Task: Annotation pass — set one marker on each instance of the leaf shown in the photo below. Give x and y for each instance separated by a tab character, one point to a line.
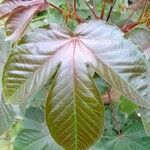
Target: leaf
145	115
7	6
4	54
129	140
34	113
141	36
7	117
101	84
74	102
133	136
20	14
34	135
127	105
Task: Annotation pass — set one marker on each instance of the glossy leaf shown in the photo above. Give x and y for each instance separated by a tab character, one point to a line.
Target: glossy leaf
74	109
141	36
19	13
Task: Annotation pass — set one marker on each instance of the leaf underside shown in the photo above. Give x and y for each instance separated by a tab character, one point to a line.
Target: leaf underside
74	109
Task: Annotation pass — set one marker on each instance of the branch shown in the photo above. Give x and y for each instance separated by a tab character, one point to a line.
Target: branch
103	10
75	6
111	9
73	16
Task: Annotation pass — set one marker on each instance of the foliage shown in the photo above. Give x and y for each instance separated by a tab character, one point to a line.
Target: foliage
58	77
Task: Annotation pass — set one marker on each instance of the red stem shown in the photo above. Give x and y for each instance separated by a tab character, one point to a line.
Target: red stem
75	6
103	10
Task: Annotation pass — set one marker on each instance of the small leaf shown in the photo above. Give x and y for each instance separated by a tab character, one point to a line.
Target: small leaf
127	105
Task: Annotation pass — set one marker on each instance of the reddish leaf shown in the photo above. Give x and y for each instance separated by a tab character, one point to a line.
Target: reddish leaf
20	14
74	108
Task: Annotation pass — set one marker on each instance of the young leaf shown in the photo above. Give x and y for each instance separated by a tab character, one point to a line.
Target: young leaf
19	13
74	103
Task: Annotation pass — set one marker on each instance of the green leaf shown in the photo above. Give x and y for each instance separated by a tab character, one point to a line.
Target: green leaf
127	105
141	36
101	84
7	116
145	115
34	135
4	54
132	137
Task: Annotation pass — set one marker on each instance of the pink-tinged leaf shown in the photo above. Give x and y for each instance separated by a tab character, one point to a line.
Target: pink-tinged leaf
74	108
8	6
19	13
18	21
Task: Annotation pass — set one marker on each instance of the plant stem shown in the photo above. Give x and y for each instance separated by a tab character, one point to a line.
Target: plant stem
103	10
57	8
115	122
75	6
111	9
74	16
93	12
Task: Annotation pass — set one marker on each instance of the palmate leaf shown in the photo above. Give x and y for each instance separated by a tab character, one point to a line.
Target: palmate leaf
74	109
20	14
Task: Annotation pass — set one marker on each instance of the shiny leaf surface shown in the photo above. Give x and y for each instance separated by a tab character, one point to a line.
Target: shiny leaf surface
74	109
